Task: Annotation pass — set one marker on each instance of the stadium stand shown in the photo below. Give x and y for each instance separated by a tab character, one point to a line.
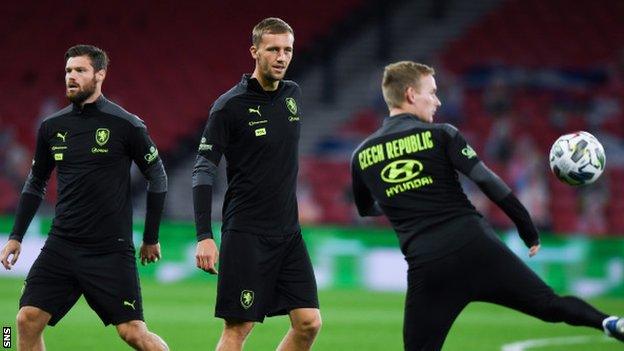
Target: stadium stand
523	80
510	74
168	61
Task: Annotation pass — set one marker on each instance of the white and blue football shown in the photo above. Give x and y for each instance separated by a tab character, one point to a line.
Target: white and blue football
577	158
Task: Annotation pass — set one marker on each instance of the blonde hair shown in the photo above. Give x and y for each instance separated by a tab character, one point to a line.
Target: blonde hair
270	25
399	76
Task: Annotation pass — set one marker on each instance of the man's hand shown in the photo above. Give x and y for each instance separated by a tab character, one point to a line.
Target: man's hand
12	247
534	250
207	256
149	253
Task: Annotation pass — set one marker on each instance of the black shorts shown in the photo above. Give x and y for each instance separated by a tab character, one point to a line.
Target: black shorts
263	276
63	272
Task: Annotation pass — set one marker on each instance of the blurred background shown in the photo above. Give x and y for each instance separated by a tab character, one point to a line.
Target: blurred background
513	75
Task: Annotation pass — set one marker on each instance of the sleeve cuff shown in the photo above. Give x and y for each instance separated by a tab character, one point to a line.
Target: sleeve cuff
15	237
150	241
204	236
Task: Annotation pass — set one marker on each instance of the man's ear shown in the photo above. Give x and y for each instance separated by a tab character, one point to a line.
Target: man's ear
254	52
100	75
410	95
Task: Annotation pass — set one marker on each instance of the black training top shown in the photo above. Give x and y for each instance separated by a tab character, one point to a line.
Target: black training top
408	168
92	149
258	133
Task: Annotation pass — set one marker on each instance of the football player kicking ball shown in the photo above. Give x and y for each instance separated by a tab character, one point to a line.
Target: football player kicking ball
407	171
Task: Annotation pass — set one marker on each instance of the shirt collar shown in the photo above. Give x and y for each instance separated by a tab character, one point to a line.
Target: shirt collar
400	117
93	106
253	84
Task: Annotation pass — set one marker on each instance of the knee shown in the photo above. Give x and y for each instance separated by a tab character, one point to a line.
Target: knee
308	326
25	319
132	332
31	319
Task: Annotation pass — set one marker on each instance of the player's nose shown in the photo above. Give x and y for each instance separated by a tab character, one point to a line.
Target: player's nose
281	56
71	75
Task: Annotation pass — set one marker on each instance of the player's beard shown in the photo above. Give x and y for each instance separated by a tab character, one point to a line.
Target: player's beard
269	76
83	93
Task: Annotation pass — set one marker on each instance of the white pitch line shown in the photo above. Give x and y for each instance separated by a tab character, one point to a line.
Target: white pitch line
565	340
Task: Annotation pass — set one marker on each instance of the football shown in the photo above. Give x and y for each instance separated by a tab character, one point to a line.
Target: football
577	158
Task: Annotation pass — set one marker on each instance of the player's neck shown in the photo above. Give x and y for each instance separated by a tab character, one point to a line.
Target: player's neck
396	111
267	85
93	98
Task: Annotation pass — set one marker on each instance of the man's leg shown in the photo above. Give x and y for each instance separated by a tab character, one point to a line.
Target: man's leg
427	322
30	324
49	293
437	292
241	296
135	333
305	324
505	280
296	294
234	335
115	295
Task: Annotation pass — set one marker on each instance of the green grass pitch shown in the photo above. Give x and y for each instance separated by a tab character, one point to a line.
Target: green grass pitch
356	320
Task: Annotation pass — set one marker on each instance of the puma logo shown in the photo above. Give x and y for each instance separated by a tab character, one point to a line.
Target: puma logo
126	303
255	110
61	136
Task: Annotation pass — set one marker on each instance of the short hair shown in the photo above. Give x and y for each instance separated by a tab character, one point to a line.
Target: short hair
99	58
271	25
399	76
